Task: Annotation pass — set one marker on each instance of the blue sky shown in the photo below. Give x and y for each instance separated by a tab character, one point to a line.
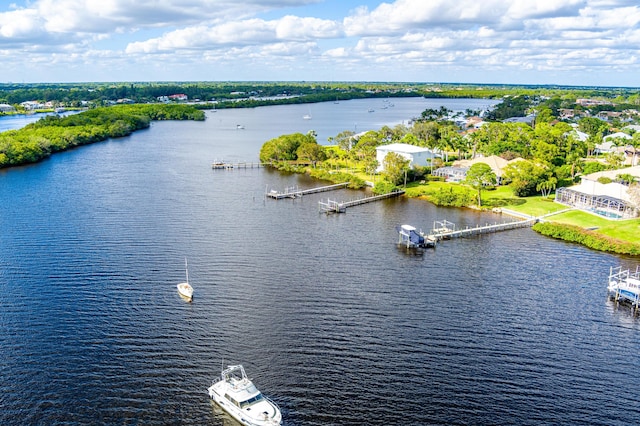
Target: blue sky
568	42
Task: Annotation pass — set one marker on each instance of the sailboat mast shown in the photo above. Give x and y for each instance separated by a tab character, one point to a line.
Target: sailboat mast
186	269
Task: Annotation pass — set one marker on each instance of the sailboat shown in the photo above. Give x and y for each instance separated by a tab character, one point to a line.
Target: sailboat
185	288
307	116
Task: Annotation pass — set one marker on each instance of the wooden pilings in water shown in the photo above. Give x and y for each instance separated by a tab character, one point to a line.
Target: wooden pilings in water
624	286
336	207
294	192
221	165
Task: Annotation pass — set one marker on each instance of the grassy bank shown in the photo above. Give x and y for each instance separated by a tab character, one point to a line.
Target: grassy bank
620	236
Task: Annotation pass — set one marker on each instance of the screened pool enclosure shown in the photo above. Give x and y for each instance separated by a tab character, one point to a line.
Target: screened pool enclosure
603	205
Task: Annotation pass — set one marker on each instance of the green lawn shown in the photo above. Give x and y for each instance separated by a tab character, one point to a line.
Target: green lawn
626	230
502	197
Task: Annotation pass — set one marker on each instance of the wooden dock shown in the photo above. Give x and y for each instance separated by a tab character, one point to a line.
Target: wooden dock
336	207
294	192
444	230
221	165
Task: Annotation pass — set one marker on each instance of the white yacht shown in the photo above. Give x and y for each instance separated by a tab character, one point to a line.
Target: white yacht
239	397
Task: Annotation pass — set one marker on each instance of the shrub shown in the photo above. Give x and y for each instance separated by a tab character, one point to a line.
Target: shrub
384	187
604	180
448	197
586	237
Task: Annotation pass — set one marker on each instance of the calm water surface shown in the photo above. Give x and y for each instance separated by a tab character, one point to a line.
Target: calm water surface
328	316
11	122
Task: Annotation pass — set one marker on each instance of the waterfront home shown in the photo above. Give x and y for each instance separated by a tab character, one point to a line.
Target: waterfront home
178	97
457	172
32	105
611	200
417	155
6	108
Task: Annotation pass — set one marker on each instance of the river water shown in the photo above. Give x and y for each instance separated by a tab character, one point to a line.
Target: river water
329	317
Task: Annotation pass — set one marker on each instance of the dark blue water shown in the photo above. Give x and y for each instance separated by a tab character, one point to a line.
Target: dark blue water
10	122
328	316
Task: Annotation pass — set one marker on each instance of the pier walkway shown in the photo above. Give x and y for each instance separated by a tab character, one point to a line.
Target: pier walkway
222	165
336	207
294	192
444	230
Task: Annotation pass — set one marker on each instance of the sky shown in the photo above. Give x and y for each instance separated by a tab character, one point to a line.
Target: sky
565	42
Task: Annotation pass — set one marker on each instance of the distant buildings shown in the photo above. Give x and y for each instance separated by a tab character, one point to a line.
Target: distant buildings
32	105
6	108
179	97
592	102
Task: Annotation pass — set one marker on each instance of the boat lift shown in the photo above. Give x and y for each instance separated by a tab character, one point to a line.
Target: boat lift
624	286
410	237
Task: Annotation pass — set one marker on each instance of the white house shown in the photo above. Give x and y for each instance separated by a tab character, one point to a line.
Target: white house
31	105
617	135
605	147
458	171
6	108
581	136
418	156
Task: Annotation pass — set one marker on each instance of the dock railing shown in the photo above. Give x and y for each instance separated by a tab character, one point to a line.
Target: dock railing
446	230
295	192
624	286
340	207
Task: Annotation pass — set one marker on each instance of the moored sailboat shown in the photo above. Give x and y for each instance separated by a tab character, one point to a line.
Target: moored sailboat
185	288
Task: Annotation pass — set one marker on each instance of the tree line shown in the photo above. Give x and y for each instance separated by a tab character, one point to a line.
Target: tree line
550	152
54	133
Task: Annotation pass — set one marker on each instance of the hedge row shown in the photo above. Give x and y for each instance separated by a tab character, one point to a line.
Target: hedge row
586	237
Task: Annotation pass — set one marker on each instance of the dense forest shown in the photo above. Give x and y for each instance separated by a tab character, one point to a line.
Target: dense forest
247	94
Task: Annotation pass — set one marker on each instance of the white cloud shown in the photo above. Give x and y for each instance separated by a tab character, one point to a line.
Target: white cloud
505	35
248	32
295	28
19	25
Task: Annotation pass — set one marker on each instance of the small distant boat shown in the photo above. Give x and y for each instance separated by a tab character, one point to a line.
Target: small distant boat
239	397
307	116
185	288
371	110
239	127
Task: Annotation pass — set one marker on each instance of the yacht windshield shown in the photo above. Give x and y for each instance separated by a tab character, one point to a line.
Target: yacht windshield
251	401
